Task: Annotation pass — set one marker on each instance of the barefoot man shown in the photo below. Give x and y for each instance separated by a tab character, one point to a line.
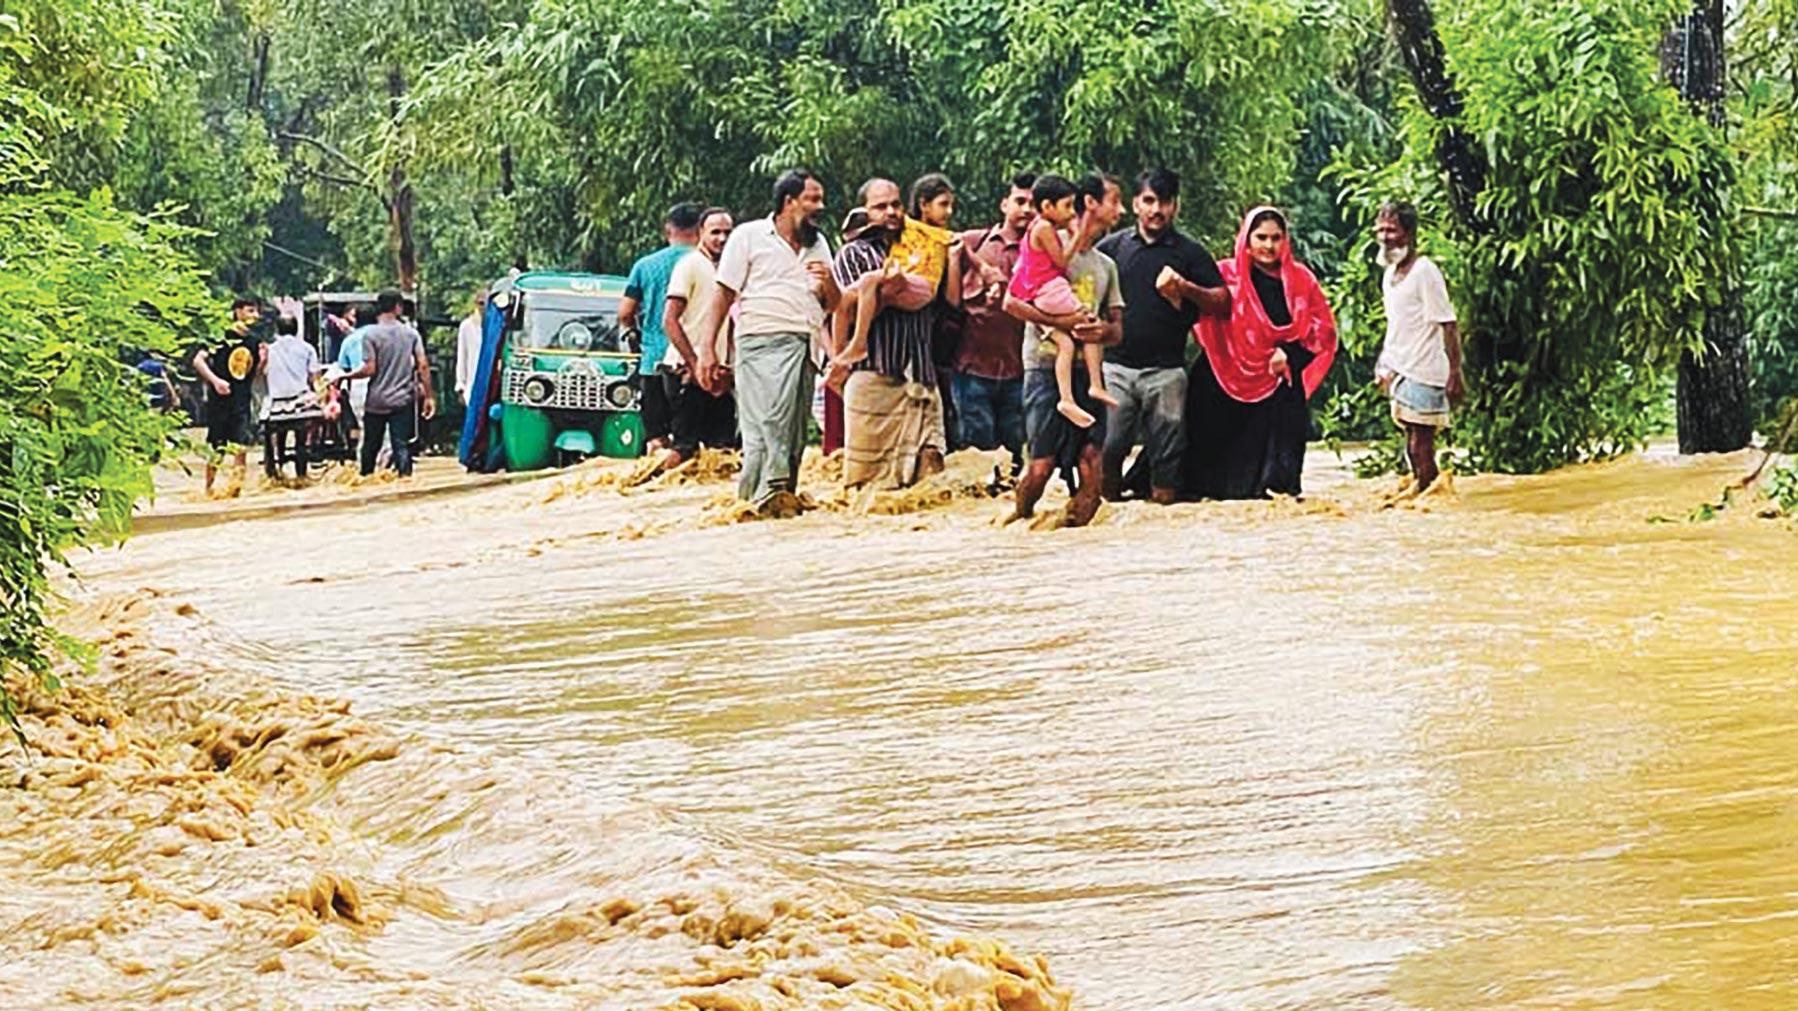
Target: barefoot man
892	406
1420	364
1055	442
778	270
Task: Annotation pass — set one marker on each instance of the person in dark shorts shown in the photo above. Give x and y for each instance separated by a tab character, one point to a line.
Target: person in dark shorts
698	416
228	369
1054	441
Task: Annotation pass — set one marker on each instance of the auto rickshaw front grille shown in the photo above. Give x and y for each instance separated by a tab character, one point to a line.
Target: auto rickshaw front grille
571	390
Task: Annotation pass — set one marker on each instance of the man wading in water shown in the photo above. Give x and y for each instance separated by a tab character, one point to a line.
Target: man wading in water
778	269
229	367
1420	364
1055	441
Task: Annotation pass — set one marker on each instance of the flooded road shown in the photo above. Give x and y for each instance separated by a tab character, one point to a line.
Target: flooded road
1521	749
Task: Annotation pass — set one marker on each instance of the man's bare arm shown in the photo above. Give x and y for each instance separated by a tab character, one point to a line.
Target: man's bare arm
628	308
1017	308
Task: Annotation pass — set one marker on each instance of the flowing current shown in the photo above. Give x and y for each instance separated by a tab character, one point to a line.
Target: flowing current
1525	747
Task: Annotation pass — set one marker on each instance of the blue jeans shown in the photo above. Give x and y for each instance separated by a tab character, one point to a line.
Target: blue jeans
399	426
989	413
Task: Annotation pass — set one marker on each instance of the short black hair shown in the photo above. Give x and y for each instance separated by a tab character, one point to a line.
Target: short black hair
388	301
706	215
1048	189
789	185
1401	212
243	302
928	187
287	325
685	216
1023	181
1163	182
1090	189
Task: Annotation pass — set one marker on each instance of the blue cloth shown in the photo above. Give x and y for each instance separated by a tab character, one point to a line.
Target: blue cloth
349	355
155	374
989	413
480	448
648	284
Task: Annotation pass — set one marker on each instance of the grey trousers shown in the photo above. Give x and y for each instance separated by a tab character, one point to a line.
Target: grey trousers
1152	405
774	398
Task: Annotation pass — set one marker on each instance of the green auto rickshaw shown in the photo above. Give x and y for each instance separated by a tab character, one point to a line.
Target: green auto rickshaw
566	374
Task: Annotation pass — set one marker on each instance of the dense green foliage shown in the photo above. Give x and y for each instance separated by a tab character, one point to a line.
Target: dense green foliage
82	285
1597	249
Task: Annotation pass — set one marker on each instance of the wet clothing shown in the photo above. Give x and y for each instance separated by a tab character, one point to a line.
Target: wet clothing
1238	450
395	348
923	251
774	377
989	413
1246	428
1415	403
991	338
887	423
695	417
229	421
1051	435
899	342
1156	332
648	284
399	426
1152	407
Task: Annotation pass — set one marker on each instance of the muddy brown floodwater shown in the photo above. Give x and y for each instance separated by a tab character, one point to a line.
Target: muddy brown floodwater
564	745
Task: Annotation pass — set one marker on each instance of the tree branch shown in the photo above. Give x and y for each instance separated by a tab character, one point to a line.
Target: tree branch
327	148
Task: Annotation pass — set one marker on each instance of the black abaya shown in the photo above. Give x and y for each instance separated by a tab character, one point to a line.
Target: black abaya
1237	450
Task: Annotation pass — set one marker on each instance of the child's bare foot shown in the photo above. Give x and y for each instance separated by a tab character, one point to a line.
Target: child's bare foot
1073	413
837	377
851	354
1098	393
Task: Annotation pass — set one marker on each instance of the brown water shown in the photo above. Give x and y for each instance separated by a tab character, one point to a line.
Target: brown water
1520	749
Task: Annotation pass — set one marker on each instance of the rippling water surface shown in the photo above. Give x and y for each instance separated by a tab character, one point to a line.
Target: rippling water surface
1524	750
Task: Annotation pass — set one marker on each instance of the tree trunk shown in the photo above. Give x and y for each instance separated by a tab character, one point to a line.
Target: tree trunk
1414	29
399	199
1714	415
258	74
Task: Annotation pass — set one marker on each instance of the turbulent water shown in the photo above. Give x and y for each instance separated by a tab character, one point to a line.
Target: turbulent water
1523	747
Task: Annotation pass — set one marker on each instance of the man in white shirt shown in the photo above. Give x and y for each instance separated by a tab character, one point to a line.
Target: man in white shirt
1420	363
468	345
776	270
697	415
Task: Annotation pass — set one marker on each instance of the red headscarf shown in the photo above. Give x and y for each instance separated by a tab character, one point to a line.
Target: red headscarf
1240	345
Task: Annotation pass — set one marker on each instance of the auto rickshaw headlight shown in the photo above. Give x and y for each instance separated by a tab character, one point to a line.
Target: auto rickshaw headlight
619	395
538	390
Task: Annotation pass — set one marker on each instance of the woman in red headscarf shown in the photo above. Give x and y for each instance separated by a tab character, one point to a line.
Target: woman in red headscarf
1246	414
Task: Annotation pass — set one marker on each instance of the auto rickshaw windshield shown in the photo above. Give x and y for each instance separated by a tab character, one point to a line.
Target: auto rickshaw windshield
573	323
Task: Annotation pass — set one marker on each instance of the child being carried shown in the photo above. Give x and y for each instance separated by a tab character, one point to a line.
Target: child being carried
924	249
1041	279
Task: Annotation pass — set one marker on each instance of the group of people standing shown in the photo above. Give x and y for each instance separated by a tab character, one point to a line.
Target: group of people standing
991	335
377	385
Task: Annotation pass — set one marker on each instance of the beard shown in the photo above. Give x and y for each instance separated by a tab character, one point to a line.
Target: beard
808	230
1392	256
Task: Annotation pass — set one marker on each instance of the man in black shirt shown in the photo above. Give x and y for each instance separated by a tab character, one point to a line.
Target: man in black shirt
1167	279
229	367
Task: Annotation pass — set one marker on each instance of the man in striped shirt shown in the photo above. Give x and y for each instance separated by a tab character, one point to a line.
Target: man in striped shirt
893	412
